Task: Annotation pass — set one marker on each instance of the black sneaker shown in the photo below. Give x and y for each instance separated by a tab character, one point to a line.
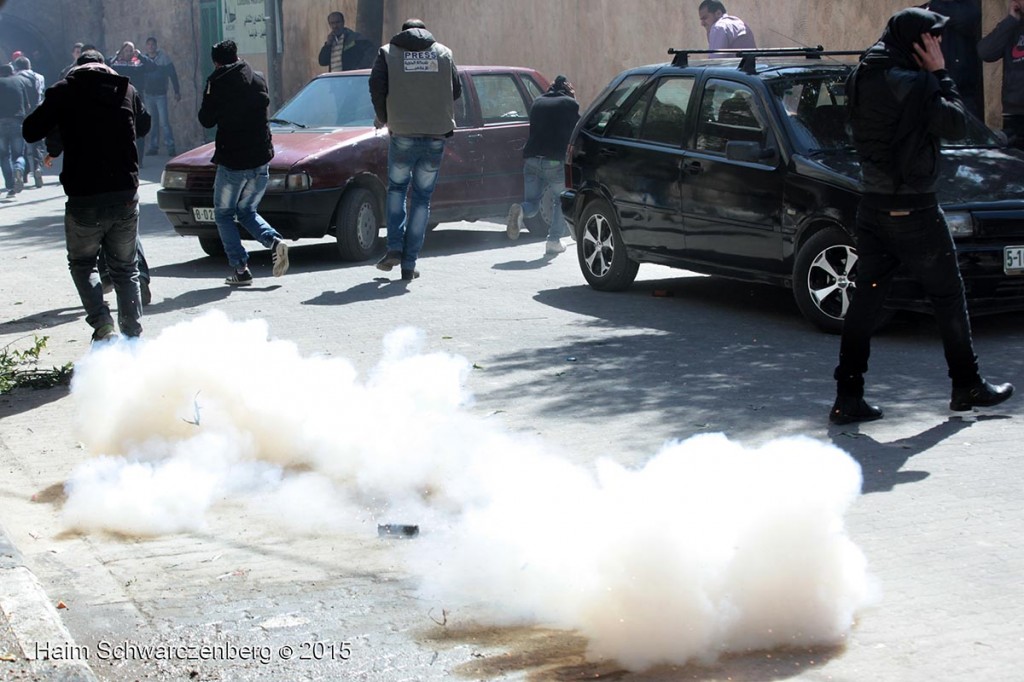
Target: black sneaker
19	180
37	175
410	275
104	332
240	279
848	410
980	394
390	260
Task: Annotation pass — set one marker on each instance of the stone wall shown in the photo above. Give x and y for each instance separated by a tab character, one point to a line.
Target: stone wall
588	40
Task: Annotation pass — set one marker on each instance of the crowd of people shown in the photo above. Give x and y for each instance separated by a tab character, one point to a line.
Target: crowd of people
920	82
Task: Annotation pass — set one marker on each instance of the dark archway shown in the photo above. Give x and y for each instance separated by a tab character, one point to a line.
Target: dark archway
18	34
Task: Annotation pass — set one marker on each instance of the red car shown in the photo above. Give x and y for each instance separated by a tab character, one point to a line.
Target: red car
329	171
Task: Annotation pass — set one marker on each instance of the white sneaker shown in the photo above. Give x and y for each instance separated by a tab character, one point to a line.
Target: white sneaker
279	257
515	221
554	247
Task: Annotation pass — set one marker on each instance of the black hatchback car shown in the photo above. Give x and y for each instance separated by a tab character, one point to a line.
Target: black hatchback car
743	167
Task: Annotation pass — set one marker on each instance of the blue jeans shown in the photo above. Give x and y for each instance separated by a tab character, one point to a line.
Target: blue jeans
115	229
414	160
540	174
236	194
921	244
157	107
12	150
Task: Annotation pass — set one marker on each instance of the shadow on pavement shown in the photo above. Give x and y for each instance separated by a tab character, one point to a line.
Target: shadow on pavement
189	299
379	289
42	320
515	265
882	464
27	399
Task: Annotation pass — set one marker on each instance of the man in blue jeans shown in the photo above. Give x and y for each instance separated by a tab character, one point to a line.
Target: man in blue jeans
902	101
235	100
97	114
154	95
552	119
413	86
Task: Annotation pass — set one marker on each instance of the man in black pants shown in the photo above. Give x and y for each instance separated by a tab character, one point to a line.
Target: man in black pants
902	102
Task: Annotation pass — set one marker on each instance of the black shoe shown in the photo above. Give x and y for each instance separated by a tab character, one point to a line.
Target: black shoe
981	394
409	275
848	410
239	279
147	295
390	260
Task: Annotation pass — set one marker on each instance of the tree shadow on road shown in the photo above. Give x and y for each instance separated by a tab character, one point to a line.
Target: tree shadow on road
882	464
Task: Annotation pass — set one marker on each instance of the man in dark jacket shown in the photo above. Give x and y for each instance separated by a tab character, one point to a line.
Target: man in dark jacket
15	104
552	119
902	102
960	50
94	114
1006	43
344	49
413	86
235	100
154	94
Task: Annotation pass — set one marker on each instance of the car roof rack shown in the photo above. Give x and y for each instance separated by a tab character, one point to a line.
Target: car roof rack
748	56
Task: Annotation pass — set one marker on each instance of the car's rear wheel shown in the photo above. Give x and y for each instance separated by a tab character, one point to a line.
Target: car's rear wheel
825	279
357	225
600	250
212	246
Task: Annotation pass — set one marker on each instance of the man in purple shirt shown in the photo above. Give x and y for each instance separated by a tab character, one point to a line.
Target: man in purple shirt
725	32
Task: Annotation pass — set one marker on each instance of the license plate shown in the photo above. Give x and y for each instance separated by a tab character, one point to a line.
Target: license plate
203	215
1013	260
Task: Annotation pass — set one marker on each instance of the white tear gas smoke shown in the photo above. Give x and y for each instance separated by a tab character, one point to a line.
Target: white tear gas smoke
710	547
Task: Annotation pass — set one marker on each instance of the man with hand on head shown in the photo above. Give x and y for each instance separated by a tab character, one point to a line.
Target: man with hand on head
902	104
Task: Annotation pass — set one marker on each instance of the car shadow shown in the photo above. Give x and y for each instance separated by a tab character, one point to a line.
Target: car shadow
706	354
379	289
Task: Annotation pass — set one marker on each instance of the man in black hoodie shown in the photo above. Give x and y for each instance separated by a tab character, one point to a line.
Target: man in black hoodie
94	115
552	119
902	103
235	100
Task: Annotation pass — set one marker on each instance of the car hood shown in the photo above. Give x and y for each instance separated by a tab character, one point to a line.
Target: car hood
966	176
290	147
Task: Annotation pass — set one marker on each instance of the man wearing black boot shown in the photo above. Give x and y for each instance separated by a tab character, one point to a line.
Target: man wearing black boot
902	102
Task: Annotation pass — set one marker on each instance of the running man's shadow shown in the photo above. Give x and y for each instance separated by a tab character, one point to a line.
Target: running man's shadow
881	464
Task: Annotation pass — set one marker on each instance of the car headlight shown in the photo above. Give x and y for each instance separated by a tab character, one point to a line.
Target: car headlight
174	179
293	182
960	223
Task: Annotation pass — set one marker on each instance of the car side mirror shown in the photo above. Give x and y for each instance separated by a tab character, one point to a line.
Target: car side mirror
750	152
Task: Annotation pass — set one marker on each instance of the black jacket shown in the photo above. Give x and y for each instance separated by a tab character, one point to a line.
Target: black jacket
14	97
359	52
899	114
93	116
235	100
552	119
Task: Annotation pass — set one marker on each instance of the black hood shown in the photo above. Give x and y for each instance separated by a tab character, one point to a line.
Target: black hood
413	39
896	46
239	70
98	83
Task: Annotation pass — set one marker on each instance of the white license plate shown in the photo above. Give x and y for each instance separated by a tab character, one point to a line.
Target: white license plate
1013	260
203	215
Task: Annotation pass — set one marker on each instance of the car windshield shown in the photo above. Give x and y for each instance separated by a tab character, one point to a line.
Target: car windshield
815	109
332	102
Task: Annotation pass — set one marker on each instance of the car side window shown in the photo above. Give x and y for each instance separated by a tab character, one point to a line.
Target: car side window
666	114
500	99
628	123
728	113
462	117
598	120
533	89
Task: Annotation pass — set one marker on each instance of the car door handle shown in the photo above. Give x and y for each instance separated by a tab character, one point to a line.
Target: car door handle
692	167
474	137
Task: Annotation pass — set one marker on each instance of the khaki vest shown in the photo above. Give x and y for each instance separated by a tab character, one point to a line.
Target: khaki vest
420	98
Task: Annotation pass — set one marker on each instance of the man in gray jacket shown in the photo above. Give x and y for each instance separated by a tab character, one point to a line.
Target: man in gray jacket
413	86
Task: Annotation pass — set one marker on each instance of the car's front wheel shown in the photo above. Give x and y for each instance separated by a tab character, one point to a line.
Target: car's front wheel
212	246
825	278
601	251
357	225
